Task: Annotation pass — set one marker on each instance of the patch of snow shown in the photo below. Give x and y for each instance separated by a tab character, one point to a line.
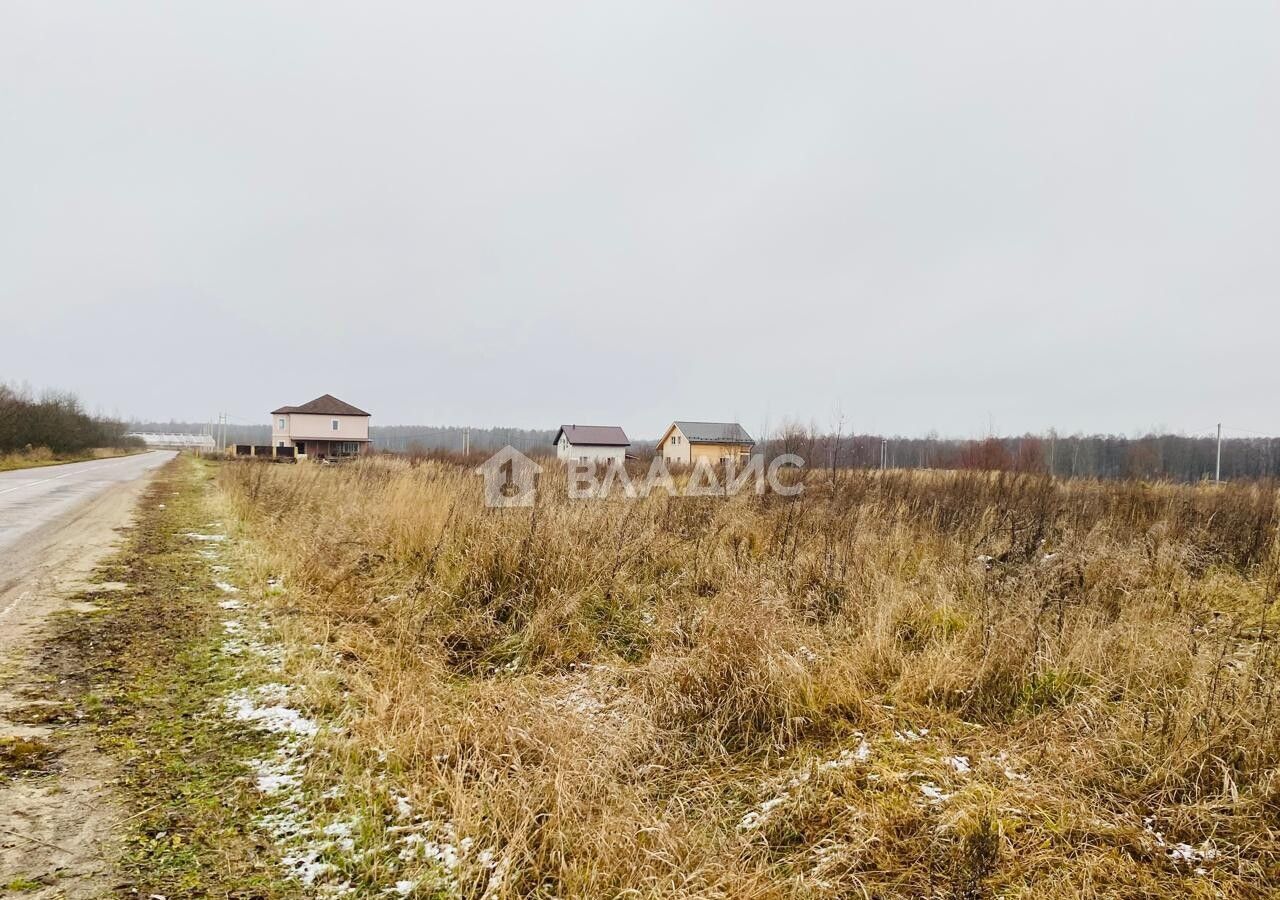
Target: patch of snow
272	653
226	588
272	783
1002	759
230	604
910	736
773	803
339	829
307	867
959	763
197	536
280	773
757	816
933	793
276	718
1182	853
343	834
849	757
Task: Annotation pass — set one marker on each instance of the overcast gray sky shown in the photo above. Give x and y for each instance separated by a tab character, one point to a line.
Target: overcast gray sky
933	215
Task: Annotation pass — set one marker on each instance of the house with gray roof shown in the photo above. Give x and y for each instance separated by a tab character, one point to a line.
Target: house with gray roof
716	442
592	443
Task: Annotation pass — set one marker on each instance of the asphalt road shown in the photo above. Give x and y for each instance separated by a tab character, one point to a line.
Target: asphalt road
56	522
32	499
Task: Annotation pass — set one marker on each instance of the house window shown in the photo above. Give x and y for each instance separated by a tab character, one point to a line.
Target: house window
280	424
333	423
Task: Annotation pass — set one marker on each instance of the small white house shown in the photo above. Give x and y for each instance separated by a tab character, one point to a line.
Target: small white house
592	443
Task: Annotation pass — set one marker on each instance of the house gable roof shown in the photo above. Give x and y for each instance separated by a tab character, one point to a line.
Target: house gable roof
711	433
324	405
596	435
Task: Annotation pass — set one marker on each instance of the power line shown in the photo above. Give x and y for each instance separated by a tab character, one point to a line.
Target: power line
1269	434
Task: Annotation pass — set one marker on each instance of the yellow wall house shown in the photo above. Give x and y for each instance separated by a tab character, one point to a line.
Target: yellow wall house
687	442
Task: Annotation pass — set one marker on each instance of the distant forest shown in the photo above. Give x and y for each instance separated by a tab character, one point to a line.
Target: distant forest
1163	456
55	421
1158	456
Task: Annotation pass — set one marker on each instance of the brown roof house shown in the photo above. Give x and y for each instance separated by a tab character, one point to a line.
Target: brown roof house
592	443
325	428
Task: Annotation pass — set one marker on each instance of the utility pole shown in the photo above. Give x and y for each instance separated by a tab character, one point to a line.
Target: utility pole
884	453
466	441
1217	472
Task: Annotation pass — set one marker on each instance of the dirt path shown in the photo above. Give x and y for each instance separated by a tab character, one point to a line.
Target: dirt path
56	810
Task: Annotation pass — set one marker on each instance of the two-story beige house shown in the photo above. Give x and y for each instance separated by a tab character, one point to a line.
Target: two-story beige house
325	428
716	442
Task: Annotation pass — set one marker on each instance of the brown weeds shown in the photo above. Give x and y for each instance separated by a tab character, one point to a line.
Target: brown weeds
896	685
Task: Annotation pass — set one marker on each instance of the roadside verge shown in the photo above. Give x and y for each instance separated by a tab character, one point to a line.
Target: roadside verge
135	673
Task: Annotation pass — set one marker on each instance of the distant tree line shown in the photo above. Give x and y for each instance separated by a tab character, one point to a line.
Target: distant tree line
1170	457
451	439
54	420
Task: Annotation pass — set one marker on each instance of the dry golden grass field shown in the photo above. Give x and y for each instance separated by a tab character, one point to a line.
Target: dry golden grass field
895	685
43	456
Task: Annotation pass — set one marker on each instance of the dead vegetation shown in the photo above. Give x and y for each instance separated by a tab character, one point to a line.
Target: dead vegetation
25	755
895	685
